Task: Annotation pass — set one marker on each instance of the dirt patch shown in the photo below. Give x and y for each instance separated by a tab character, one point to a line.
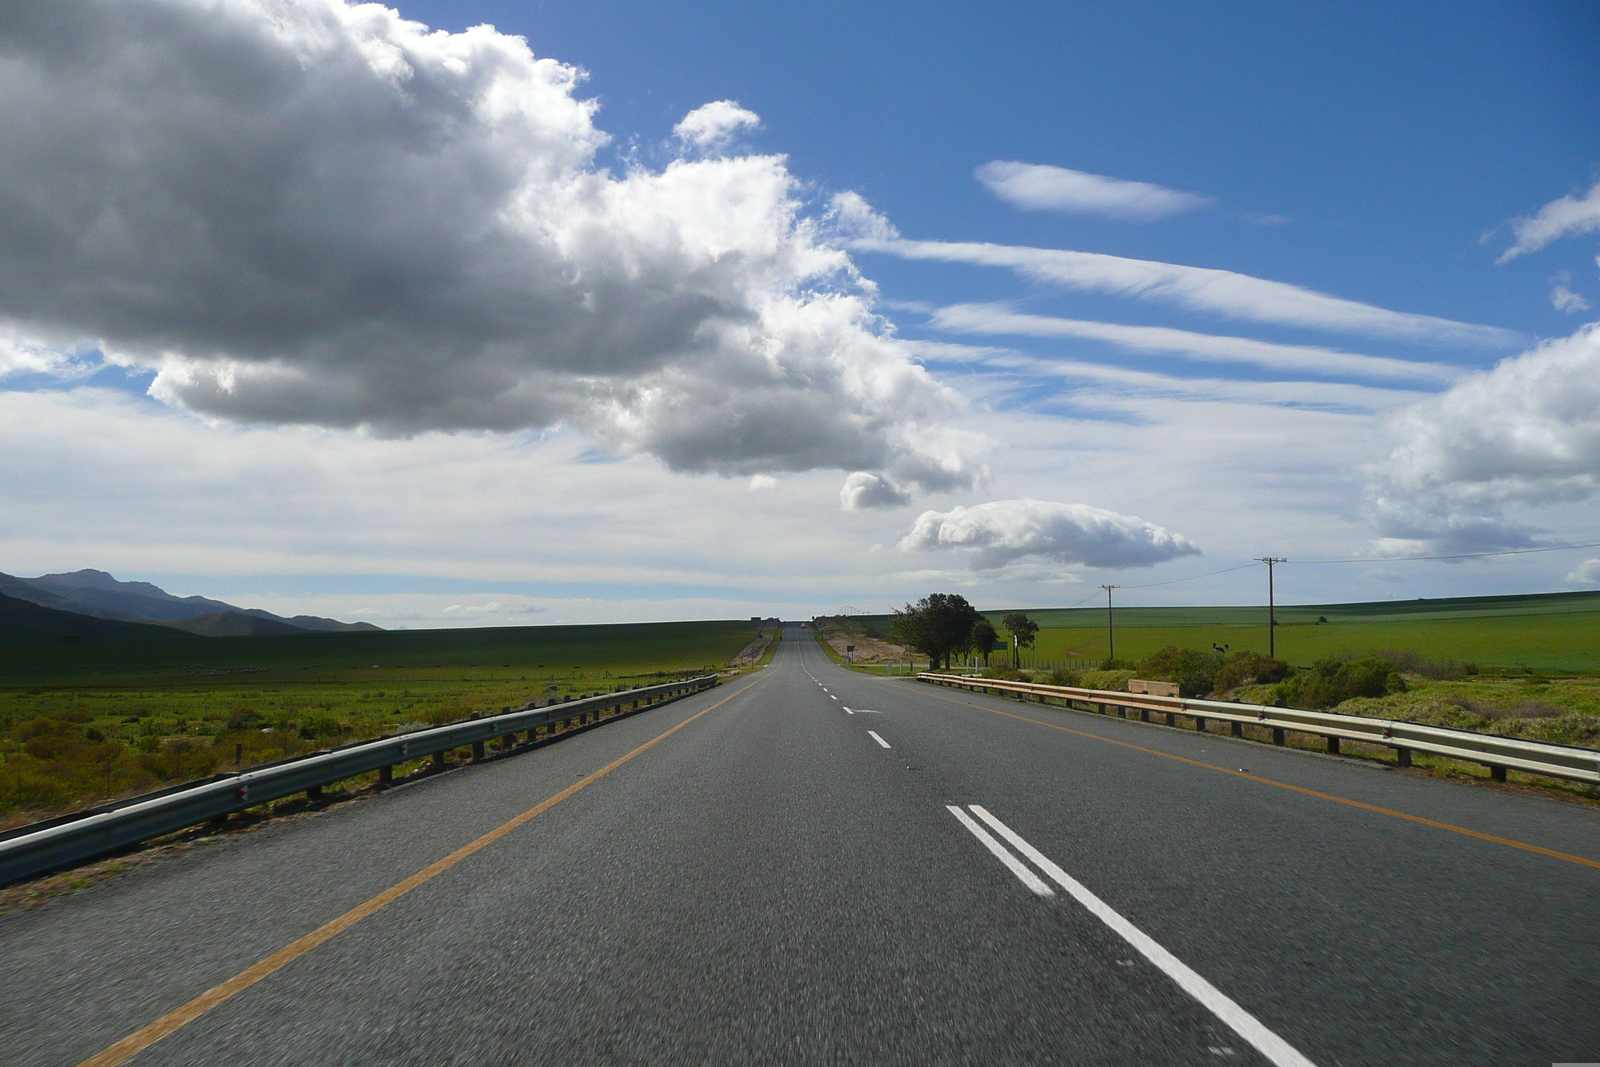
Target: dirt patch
868	649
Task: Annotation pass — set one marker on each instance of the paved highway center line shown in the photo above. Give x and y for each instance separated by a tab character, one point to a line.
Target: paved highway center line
1014	865
180	1017
1247	1026
878	739
1480	835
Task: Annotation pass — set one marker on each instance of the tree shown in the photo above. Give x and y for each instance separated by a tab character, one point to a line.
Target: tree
984	637
936	625
1022	630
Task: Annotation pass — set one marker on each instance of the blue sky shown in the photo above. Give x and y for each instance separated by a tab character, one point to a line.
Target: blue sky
1343	316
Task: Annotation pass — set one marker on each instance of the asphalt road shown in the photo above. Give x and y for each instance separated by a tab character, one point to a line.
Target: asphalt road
783	880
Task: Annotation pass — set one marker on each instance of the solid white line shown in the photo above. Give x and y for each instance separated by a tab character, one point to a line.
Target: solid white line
878	739
1016	866
1247	1026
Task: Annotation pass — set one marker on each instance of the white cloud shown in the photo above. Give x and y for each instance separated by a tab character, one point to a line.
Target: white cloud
1565	217
759	482
862	491
1562	296
1526	433
1301	359
851	217
1002	531
319	213
1220	292
1586	573
1037	187
711	126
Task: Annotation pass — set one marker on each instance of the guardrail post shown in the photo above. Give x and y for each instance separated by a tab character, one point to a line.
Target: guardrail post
385	776
314	794
1333	746
1497	773
1200	723
477	751
1236	729
1277	736
1172	718
1144	714
438	760
1403	757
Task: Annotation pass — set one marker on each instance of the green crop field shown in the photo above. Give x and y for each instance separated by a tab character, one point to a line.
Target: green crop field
1551	631
83	722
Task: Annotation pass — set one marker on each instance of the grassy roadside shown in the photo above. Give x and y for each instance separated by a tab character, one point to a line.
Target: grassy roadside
84	724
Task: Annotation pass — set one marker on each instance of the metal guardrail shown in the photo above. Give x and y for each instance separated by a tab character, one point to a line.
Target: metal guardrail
31	850
1497	753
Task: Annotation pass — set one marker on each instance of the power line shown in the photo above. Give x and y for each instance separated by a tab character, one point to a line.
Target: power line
1192	577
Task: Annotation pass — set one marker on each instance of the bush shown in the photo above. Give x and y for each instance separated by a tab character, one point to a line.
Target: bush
1248	668
1060	676
1005	673
1331	682
1113	680
1194	672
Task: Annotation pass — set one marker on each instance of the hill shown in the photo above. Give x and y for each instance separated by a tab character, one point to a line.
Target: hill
23	622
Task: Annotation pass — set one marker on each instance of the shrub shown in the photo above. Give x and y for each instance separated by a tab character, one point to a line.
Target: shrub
1331	682
1113	680
1194	672
1003	673
1060	676
1248	668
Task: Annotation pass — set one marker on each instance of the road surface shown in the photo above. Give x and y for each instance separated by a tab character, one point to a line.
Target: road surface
818	867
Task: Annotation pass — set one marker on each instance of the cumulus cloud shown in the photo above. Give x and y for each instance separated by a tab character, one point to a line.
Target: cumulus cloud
851	217
1220	292
321	213
1526	433
1586	573
1037	187
713	125
862	491
1565	217
1002	531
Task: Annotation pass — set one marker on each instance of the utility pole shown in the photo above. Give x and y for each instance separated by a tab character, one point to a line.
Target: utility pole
1111	630
1272	610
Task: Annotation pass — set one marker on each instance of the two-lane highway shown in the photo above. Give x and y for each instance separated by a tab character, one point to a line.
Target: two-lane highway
814	866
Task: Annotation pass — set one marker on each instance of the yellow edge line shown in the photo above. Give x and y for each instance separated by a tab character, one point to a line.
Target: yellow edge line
180	1017
1481	836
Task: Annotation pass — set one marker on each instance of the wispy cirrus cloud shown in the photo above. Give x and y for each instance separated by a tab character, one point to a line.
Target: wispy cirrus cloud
1566	217
998	319
1039	187
1205	289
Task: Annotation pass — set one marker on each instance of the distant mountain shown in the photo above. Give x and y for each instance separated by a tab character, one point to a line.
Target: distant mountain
234	624
22	622
98	594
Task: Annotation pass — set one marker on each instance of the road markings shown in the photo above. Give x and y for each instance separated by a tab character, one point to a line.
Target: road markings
832	697
1480	835
878	739
1016	866
218	995
1247	1026
847	711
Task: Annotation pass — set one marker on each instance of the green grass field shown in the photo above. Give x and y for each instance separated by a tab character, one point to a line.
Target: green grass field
1552	631
80	723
